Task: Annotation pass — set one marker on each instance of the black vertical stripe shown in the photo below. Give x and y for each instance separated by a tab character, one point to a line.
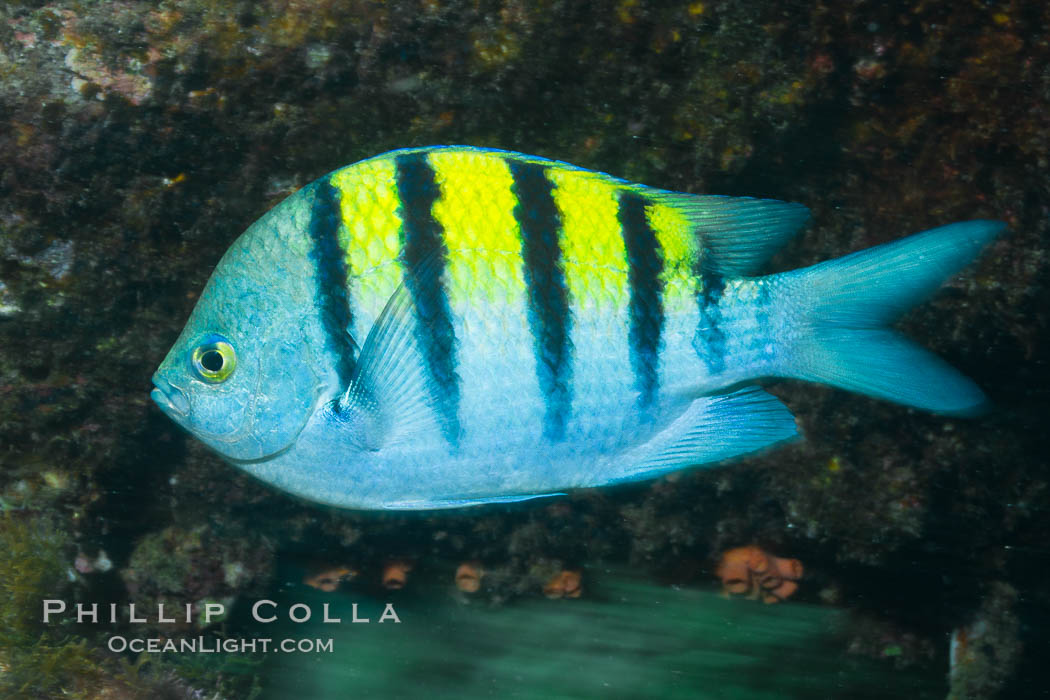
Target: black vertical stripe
549	321
423	254
709	341
645	261
328	256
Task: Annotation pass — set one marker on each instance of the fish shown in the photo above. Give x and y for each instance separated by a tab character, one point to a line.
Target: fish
453	326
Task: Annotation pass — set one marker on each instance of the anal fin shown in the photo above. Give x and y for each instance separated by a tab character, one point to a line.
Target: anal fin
424	504
711	430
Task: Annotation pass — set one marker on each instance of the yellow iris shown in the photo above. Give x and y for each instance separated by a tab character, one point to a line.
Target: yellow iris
214	361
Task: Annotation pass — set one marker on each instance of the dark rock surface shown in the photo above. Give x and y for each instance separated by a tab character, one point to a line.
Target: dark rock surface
138	139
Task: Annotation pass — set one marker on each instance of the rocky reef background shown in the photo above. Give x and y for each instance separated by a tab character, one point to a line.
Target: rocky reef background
138	139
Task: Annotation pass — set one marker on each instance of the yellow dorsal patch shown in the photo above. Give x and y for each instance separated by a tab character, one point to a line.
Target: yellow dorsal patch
476	213
678	245
592	247
368	200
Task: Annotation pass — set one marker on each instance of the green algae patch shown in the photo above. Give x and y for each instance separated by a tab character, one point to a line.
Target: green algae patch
36	661
33	559
627	639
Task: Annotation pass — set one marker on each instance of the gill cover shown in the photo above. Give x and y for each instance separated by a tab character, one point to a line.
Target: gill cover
240	377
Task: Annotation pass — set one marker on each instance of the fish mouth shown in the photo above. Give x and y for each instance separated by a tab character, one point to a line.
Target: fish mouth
170	398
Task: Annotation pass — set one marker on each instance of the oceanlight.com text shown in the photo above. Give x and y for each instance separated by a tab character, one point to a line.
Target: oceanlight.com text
211	645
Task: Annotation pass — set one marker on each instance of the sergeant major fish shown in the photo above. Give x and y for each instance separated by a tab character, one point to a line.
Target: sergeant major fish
450	326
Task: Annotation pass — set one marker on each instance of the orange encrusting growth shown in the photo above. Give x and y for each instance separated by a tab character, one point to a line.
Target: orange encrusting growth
751	571
468	576
395	574
564	584
329	578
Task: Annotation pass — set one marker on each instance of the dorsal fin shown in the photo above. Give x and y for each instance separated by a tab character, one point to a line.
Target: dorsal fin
738	234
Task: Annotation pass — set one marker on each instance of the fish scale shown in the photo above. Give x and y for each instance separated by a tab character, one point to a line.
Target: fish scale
485	270
486	265
548	296
451	326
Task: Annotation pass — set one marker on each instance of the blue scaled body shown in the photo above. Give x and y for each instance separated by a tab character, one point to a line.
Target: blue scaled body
451	326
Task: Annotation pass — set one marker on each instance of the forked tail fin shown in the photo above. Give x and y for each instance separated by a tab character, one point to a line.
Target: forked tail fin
835	316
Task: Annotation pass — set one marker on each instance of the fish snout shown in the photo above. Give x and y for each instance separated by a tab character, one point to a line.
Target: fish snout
170	398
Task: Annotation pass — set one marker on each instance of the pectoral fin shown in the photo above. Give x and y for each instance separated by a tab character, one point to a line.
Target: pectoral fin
391	394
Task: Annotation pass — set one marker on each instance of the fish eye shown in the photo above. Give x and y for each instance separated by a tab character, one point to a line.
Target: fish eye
214	361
